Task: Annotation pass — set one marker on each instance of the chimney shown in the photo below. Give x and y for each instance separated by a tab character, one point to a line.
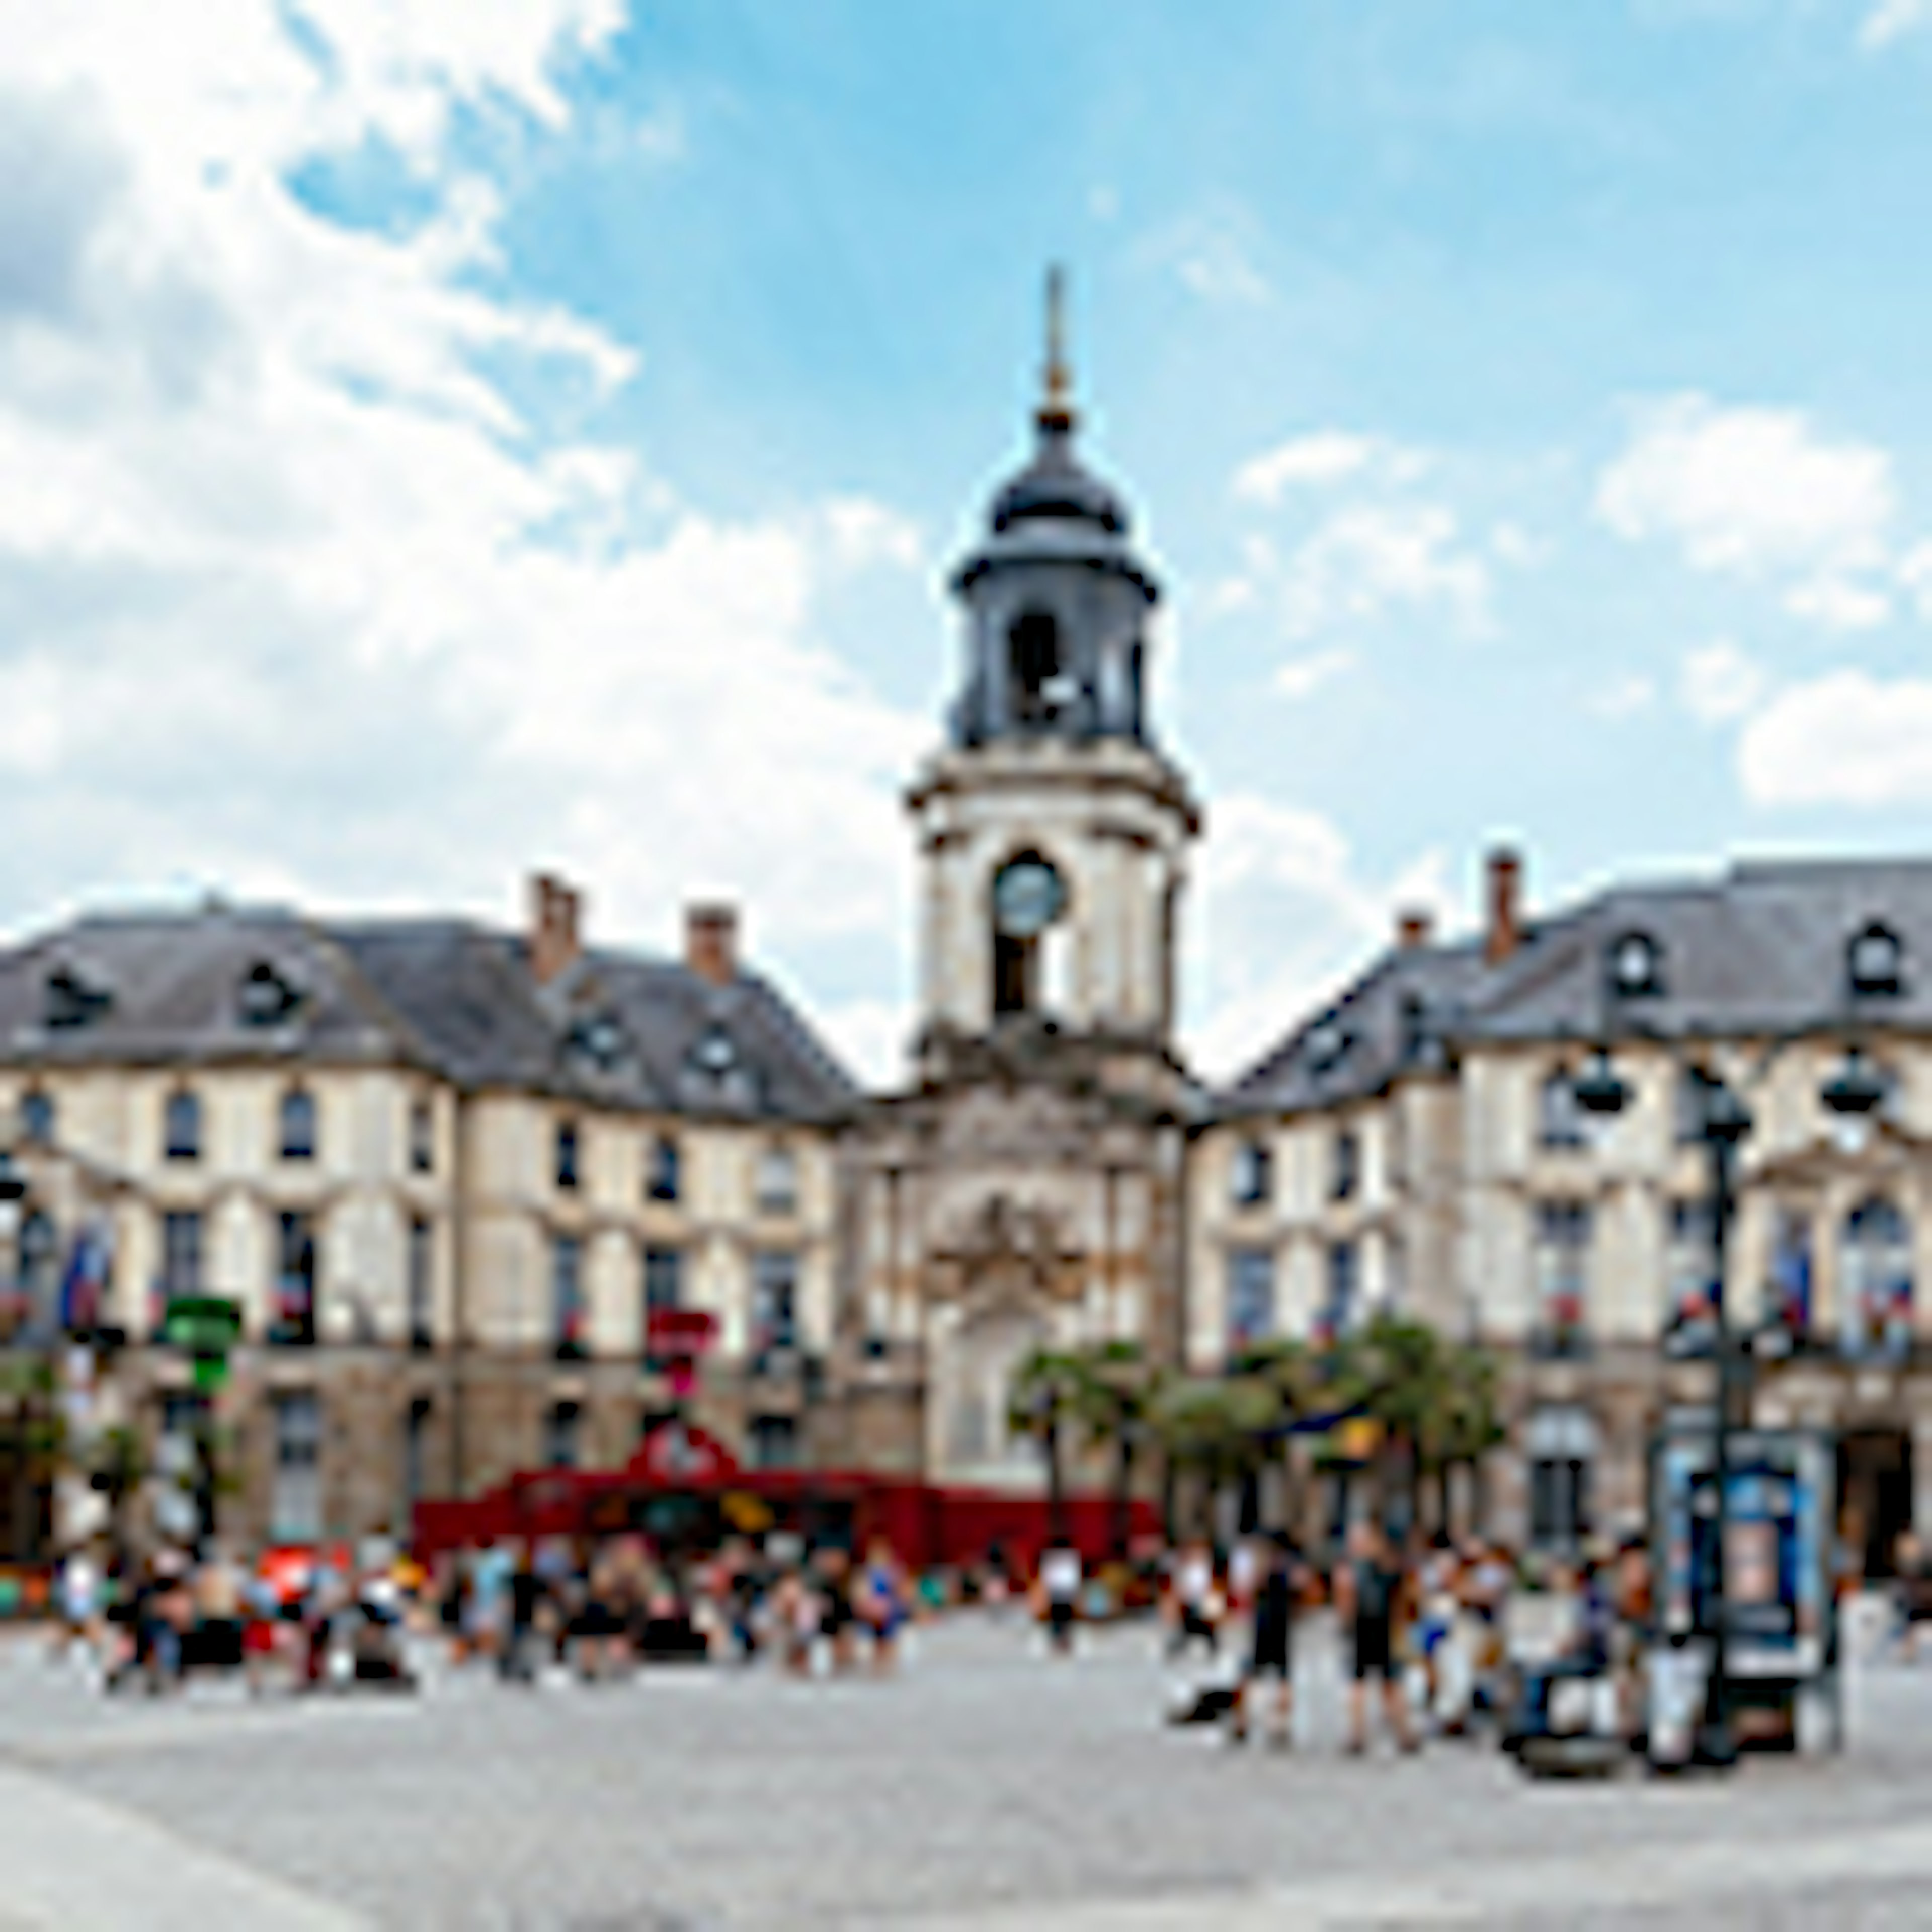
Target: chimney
711	942
1414	927
555	941
1504	932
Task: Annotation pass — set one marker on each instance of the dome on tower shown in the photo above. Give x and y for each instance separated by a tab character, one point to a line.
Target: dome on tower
1055	484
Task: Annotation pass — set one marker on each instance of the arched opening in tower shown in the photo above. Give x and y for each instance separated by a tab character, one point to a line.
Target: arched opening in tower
1033	655
1015	974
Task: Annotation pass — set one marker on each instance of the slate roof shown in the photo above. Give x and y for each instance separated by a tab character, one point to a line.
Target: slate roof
1762	950
456	998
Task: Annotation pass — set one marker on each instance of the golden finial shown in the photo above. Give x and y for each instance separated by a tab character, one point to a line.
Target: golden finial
1056	410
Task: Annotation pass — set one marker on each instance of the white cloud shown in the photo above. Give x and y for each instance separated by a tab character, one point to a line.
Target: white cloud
303	594
1625	696
1301	678
1718	683
1890	20
1758	492
1368	558
1285	918
1845	739
1322	458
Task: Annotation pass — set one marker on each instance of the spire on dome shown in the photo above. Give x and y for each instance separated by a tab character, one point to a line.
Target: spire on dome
1056	409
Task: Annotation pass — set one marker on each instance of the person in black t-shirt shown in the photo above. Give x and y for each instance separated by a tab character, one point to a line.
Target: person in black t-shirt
1272	1654
1368	1600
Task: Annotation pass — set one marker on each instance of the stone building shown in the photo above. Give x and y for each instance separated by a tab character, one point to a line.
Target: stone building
447	1173
1418	1145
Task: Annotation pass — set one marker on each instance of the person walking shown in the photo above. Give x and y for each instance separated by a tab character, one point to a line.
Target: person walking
1060	1575
1368	1598
1272	1656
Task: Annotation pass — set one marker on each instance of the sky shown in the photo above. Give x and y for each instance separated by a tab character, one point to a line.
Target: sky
443	438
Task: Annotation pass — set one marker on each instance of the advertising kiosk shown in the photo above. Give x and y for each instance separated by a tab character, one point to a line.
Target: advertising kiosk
1780	1660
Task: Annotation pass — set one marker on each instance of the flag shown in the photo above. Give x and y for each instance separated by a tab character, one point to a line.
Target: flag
84	1285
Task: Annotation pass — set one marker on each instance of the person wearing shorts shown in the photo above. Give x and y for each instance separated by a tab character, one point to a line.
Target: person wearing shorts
1369	1588
1272	1656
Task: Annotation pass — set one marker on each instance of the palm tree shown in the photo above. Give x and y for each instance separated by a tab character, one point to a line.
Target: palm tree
1047	1392
1218	1426
1293	1376
1116	1389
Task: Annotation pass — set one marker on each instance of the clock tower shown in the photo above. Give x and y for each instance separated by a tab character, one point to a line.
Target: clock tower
1054	830
1024	1192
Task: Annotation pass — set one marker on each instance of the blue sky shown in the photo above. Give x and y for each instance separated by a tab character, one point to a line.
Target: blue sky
447	439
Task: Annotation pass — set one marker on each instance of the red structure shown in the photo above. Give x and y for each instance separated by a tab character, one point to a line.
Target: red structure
683	1489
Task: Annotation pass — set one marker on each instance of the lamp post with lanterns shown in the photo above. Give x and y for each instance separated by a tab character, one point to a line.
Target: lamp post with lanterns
1858	1089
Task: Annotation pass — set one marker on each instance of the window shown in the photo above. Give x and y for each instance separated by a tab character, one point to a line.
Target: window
181	1254
566	1291
662	1180
181	1126
295	1507
1559	1119
293	1323
1560	1440
1339	1306
566	1154
597	1039
1033	651
1250	1296
1691	1315
1875	1279
39	1267
774	1301
1253	1177
777	1183
298	1124
36	1117
1874	960
422	1285
1788	1298
774	1442
267	996
1636	966
1687	1106
72	1000
415	1443
1345	1175
1562	1266
1328	1045
562	1435
422	1138
664	1279
716	1051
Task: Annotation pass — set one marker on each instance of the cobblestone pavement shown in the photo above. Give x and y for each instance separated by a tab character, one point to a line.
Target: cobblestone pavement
987	1786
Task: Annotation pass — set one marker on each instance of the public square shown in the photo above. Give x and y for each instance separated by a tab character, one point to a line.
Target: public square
986	1786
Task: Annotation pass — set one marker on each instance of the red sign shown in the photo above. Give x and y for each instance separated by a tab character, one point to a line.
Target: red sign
680	1331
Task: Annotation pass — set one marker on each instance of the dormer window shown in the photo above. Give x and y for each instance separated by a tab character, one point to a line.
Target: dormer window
73	1000
1328	1045
598	1039
268	996
1874	962
181	1126
1636	966
715	1052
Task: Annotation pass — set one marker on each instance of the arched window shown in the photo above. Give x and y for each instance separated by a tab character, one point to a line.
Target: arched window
1028	896
181	1126
1559	1119
298	1124
1874	962
1875	1278
1033	660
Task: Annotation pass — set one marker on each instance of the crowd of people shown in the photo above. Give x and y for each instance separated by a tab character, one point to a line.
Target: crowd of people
1421	1626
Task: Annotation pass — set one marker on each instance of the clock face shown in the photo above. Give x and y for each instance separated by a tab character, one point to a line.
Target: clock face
1027	898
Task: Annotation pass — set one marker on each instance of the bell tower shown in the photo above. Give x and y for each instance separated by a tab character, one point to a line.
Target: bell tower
1054	830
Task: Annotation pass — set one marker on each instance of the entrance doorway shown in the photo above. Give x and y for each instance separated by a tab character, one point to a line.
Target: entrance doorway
1874	1495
